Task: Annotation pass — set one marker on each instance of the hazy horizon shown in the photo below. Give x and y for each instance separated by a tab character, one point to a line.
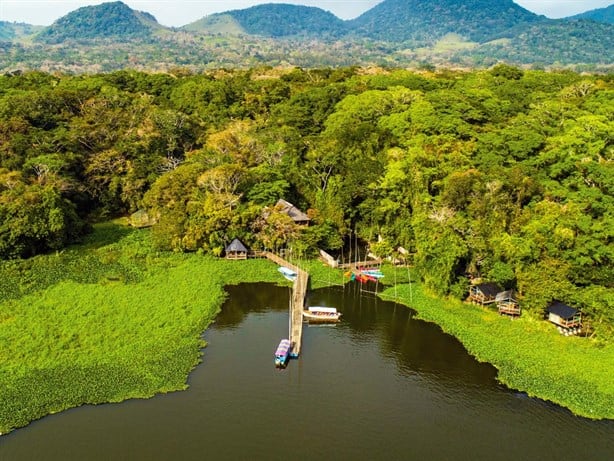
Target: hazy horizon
175	13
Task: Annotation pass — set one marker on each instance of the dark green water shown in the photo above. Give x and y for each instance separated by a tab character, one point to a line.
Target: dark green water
378	386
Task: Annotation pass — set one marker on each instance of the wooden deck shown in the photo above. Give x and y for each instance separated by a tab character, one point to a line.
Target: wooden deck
296	315
357	264
299	292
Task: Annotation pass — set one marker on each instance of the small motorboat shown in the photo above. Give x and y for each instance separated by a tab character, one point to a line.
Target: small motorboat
282	353
374	273
287	273
321	314
371	272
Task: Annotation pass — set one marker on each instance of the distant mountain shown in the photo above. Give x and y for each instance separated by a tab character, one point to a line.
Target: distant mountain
108	20
464	33
12	31
553	42
273	20
220	23
605	15
428	20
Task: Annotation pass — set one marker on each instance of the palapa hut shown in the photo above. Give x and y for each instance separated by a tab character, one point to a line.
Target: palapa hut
566	318
507	303
297	215
483	293
236	250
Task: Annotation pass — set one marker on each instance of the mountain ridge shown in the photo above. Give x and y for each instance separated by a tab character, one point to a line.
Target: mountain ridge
429	20
605	15
107	20
394	32
15	30
276	20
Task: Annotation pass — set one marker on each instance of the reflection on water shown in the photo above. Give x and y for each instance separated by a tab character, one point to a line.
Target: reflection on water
378	385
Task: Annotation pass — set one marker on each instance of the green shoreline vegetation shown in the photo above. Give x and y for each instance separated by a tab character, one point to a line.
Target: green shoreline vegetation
114	319
106	322
529	353
505	175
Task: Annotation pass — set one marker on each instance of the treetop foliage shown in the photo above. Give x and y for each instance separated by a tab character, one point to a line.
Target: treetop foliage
504	174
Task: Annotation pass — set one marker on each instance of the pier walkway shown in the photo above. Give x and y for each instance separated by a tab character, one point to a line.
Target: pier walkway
299	292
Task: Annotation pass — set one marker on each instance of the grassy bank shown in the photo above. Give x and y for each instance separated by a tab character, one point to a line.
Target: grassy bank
530	354
113	319
106	321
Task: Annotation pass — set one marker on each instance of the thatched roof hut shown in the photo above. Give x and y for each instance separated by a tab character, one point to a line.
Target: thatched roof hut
484	293
236	250
297	215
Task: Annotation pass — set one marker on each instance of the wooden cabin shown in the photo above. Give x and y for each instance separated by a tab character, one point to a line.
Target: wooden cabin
297	215
236	250
566	318
484	293
507	303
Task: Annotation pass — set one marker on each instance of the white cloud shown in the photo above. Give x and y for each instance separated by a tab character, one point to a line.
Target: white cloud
562	8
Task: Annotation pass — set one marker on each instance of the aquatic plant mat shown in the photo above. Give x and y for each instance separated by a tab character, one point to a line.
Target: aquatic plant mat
106	321
113	319
529	353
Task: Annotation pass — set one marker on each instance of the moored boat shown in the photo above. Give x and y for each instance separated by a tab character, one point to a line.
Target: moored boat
287	273
375	273
282	353
321	314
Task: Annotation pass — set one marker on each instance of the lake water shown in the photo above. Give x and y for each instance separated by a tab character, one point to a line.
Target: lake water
380	385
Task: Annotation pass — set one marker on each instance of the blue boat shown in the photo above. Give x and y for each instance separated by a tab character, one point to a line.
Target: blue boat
287	273
282	353
375	273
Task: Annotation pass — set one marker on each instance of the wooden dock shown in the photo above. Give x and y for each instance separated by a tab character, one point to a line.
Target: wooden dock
299	292
357	264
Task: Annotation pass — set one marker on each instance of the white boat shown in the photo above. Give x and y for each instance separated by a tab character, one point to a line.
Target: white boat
287	273
321	314
375	273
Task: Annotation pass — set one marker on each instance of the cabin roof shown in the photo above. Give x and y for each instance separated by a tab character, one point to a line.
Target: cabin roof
562	310
489	289
505	295
292	211
237	246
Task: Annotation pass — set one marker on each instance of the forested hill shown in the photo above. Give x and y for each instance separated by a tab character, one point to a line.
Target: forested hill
13	30
502	174
429	20
397	33
276	20
114	20
550	42
605	15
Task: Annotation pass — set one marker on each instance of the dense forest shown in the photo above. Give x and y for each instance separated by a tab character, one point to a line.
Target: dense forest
501	174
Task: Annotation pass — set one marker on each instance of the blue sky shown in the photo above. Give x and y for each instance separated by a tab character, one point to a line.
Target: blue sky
181	12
